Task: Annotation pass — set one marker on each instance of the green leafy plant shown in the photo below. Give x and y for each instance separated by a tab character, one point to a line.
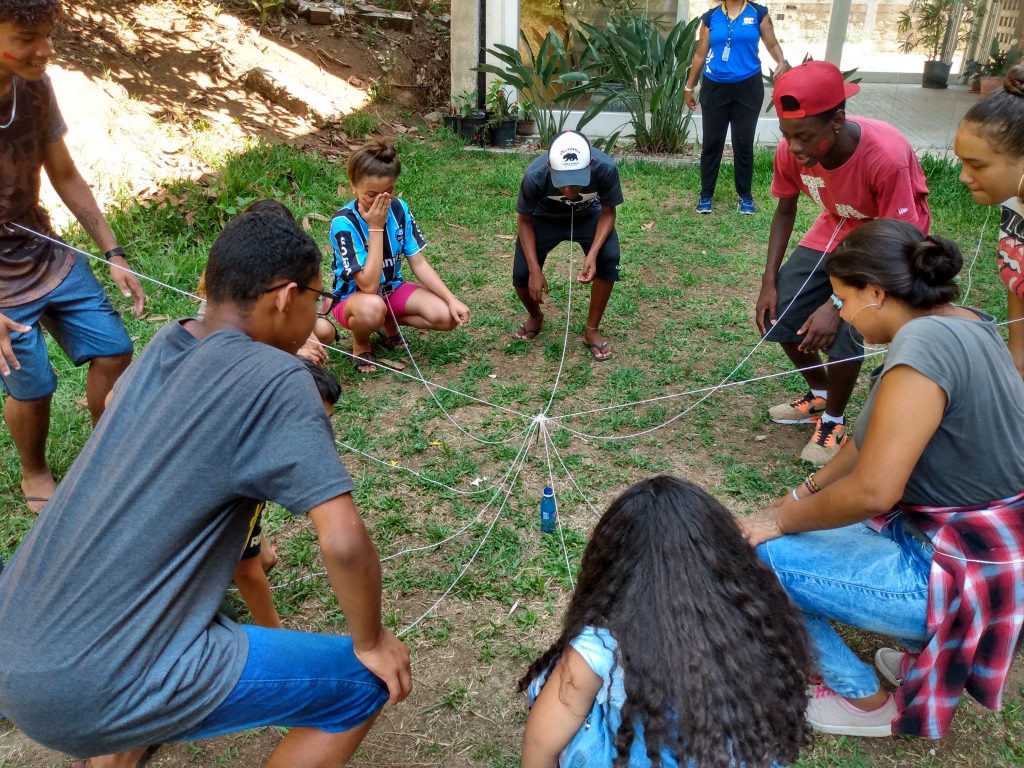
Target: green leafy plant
1000	62
465	103
266	9
646	71
498	106
549	78
932	25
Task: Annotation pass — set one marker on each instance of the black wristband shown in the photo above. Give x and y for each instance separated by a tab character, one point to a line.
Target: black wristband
116	251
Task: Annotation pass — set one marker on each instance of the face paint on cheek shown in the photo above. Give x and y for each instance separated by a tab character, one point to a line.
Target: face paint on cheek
821	148
8	57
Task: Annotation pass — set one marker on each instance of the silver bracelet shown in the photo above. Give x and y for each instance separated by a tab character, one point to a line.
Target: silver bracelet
793	494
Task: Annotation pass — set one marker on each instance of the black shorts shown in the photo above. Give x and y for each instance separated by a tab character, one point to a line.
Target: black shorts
806	264
550	231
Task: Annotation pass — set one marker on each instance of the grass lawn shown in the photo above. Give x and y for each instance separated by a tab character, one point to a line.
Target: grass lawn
458	480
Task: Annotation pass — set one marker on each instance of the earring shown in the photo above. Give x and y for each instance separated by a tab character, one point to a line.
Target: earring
866	306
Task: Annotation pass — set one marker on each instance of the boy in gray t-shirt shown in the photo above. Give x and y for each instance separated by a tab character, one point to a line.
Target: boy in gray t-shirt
110	635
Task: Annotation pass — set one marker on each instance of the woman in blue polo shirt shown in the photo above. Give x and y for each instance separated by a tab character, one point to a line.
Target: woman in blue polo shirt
732	91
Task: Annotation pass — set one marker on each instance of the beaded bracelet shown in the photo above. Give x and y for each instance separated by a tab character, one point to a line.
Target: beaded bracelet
810	485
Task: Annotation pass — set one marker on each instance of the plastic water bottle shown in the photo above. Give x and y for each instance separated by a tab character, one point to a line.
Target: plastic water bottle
548	511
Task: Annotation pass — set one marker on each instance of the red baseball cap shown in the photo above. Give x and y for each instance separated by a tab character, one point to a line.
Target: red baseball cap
817	86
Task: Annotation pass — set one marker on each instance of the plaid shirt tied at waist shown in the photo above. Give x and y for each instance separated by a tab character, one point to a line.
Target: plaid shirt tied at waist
975	612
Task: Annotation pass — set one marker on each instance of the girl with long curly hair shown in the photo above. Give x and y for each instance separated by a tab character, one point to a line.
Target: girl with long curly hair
678	645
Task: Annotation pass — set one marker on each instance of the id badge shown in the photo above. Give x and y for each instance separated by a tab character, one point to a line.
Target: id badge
725	53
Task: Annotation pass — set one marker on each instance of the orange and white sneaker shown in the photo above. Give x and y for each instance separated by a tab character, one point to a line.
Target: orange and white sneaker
828	438
807	409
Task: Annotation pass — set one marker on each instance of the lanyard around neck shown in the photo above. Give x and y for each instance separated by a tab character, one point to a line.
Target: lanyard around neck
732	19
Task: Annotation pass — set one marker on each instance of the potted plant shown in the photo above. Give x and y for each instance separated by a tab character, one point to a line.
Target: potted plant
993	72
939	27
526	125
501	119
472	121
547	76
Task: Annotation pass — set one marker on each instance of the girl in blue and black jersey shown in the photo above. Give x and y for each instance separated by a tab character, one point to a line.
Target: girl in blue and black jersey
371	236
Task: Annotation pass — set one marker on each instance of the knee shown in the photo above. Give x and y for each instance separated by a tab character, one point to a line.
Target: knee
110	366
324	330
369	313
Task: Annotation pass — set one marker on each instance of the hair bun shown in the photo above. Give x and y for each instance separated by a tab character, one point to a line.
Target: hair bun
1014	82
385	152
936	260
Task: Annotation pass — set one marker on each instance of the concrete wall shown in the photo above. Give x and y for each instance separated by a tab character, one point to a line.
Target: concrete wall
465	40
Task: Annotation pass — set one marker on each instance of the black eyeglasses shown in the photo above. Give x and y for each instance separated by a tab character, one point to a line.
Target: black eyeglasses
326	297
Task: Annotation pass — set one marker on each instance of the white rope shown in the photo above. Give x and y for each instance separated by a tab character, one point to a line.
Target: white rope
558	514
568	474
740	364
520	457
977	250
420	475
430	391
568	313
72	248
710	387
394	555
325	346
469	563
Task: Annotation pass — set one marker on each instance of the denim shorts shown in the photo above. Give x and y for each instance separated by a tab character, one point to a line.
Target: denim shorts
295	679
803	286
80	318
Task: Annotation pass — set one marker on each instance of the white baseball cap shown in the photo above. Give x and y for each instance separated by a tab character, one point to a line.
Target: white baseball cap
569	160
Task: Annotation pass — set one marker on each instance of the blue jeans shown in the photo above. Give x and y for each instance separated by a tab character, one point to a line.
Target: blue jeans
875	581
295	679
80	318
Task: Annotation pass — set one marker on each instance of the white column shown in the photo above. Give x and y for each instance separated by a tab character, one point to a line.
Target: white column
465	44
837	23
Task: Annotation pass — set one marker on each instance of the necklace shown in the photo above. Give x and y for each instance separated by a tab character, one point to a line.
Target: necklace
14	104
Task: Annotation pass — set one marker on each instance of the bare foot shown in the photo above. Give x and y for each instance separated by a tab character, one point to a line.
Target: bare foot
38	489
268	555
600	347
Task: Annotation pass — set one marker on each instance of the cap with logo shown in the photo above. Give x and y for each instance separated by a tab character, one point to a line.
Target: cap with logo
569	160
816	86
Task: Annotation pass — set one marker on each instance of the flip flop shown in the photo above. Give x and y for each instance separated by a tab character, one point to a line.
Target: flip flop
522	333
44	500
600	352
390	342
364	360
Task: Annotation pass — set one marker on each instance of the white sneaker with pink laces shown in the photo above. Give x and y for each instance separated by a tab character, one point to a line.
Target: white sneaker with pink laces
829	712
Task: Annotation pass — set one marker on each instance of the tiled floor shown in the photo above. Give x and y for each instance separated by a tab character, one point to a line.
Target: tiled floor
927	117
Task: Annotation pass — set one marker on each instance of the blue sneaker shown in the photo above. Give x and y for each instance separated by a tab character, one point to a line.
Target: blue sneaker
747	205
703	205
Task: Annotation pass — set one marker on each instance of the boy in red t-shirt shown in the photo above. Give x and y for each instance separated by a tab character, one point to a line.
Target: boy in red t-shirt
856	170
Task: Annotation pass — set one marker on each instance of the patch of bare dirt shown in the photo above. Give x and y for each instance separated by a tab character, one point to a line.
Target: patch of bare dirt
136	80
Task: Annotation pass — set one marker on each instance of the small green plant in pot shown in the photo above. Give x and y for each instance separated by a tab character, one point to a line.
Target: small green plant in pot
999	63
501	118
526	123
939	28
472	121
